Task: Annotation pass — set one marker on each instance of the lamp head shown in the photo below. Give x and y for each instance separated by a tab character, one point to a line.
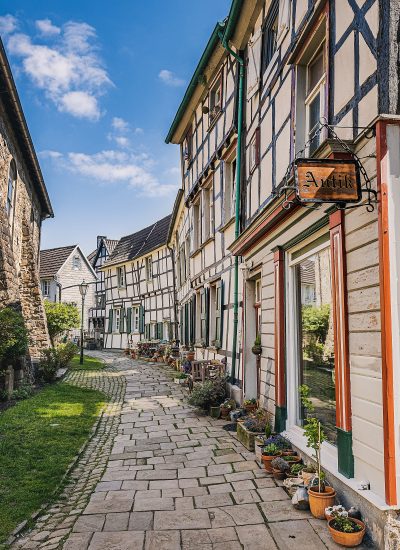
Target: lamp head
83	288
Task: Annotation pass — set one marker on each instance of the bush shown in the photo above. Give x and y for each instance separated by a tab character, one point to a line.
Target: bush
209	394
56	358
13	335
60	318
23	391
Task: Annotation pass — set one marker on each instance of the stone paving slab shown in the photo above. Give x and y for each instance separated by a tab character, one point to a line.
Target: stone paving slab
160	477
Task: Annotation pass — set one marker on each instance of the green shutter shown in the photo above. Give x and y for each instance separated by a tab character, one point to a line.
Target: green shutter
181	325
170	331
141	320
221	309
110	320
121	320
207	315
186	323
129	320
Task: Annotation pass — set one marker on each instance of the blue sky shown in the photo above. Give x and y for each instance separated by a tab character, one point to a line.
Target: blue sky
100	83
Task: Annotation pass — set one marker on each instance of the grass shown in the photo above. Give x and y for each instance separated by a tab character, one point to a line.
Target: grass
39	438
89	363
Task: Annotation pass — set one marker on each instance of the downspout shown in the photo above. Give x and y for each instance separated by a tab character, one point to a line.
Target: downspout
240	61
170	248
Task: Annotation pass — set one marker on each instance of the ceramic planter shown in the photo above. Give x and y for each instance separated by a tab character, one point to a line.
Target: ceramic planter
307	477
267	459
320	501
278	474
292	484
215	411
349	540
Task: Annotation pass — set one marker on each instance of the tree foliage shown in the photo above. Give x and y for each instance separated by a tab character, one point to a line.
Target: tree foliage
61	317
13	334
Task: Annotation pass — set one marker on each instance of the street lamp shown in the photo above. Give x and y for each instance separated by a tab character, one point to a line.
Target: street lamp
82	289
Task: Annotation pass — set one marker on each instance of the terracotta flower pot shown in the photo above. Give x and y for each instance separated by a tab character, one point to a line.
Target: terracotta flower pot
307	476
349	540
190	356
295	460
250	408
278	474
225	412
320	501
267	459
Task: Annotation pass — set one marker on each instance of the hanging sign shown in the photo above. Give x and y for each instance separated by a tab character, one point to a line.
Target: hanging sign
327	180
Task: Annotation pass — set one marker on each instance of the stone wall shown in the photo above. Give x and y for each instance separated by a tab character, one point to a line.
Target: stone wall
20	242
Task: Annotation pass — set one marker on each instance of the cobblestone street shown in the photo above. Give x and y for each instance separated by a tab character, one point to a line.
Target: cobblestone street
156	476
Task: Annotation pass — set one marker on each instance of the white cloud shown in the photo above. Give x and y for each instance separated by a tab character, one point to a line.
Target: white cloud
120	124
122	141
80	104
115	167
139	131
48	153
169	78
47	28
69	71
8	24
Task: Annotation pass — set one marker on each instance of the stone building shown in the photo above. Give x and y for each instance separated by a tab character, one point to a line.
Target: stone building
278	81
61	272
24	204
139	288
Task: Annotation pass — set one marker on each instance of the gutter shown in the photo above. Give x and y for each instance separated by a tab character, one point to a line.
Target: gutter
224	40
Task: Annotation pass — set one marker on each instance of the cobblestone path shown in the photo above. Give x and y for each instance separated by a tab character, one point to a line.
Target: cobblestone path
168	480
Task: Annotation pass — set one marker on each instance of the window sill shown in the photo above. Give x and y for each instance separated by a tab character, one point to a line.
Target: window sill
227	224
206	242
193	254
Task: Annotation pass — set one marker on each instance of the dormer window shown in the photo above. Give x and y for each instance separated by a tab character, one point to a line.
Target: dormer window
215	99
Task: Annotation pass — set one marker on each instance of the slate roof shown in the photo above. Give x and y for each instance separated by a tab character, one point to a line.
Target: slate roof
91	257
52	259
141	243
111	244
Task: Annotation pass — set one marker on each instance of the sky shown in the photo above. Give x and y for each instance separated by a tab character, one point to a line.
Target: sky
100	83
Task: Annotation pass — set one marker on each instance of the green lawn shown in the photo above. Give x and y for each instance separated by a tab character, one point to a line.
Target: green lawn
39	438
89	363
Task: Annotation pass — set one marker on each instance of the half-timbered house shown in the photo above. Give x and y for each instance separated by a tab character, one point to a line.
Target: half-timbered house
317	282
97	313
139	288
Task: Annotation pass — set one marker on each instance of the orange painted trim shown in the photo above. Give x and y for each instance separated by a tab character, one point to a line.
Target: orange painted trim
340	320
279	329
386	318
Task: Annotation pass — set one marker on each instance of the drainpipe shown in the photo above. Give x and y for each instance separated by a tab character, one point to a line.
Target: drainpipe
240	61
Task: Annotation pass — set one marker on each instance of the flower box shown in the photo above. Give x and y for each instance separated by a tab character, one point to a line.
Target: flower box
246	437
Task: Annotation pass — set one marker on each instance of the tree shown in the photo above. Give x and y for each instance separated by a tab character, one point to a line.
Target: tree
60	317
13	334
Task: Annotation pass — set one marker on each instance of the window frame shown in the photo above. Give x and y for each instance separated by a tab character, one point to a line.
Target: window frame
76	263
117	319
45	283
121	276
254	147
135	319
310	95
149	268
268	31
215	108
229	189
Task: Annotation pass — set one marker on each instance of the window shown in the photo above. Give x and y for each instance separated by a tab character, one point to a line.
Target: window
204	316
187	146
149	268
196	228
135	319
208	213
218	314
76	263
46	289
315	98
12	179
254	151
257	304
182	264
117	320
101	300
229	193
215	99
270	33
312	318
121	278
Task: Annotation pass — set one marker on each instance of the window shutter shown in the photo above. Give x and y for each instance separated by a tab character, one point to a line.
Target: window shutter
186	323
202	313
257	145
254	64
170	331
207	315
121	320
141	319
159	331
129	320
192	311
110	320
181	325
221	309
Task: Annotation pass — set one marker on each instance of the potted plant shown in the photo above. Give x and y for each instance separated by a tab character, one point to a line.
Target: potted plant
346	531
269	452
256	349
190	354
227	406
332	511
292	458
180	378
280	468
250	405
320	495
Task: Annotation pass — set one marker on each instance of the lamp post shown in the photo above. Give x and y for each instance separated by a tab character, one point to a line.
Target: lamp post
82	289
